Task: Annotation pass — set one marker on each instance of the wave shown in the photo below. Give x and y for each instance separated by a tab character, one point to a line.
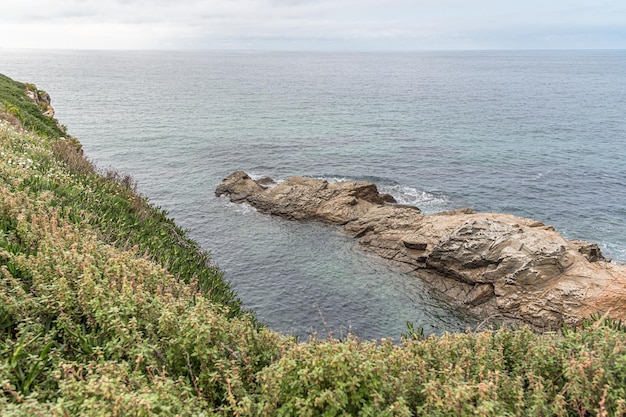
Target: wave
613	251
428	202
239	208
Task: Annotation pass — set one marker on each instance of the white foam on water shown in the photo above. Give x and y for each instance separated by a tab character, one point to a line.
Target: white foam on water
333	179
614	252
256	176
425	201
239	208
244	208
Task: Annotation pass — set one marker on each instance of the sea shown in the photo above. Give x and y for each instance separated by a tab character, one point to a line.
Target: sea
538	134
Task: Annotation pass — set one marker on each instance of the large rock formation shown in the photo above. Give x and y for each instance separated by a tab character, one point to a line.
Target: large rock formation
498	265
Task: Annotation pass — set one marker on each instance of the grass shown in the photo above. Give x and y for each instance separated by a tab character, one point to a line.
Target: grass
108	308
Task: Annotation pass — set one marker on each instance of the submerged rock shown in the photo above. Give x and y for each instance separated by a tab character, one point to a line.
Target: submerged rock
498	265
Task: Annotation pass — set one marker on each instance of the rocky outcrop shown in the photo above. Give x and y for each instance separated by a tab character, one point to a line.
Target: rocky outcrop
42	99
498	265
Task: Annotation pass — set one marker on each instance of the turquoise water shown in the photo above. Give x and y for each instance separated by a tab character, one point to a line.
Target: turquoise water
536	134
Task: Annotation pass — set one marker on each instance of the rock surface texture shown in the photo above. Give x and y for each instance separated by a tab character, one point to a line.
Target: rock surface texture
498	265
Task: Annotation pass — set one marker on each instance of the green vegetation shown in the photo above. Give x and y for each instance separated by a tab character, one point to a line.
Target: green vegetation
16	104
108	308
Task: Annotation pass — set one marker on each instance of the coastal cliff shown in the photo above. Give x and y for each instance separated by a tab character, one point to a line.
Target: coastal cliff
108	308
498	265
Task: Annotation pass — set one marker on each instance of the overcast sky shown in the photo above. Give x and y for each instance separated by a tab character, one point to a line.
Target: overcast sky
313	24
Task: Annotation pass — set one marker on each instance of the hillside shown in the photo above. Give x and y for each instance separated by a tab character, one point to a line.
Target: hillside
108	308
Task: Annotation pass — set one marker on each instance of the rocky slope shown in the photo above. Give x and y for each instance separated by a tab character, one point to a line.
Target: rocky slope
498	265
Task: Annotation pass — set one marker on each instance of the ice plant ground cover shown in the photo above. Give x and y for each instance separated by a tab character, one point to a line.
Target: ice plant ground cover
107	308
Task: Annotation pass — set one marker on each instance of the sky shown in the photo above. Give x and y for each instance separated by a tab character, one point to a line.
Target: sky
387	25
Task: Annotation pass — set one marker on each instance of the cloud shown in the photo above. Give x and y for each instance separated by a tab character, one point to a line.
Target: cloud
305	24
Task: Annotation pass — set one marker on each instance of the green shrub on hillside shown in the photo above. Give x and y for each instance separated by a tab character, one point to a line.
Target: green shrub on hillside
501	373
69	297
14	101
110	204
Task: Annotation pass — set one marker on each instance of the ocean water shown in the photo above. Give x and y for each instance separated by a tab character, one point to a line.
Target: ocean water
538	134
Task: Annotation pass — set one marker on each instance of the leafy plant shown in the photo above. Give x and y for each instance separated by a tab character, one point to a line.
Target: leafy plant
413	333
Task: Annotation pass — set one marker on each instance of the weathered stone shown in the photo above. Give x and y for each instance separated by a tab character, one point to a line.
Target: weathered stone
480	294
239	185
388	198
496	264
415	245
462	210
589	250
267	181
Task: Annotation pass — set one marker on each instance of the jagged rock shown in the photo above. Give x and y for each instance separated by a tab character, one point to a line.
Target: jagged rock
591	251
415	245
495	264
43	100
238	186
266	181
